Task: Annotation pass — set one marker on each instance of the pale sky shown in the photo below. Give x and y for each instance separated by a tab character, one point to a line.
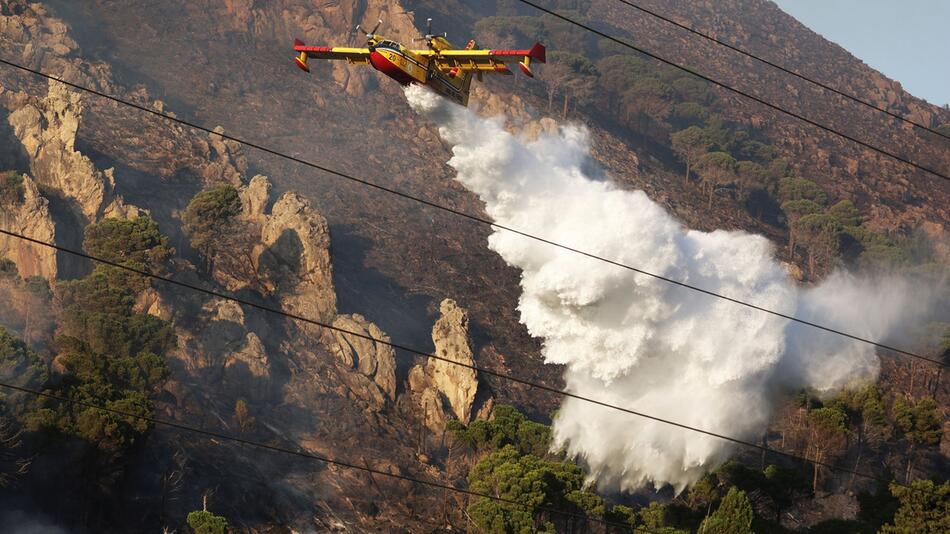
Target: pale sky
907	40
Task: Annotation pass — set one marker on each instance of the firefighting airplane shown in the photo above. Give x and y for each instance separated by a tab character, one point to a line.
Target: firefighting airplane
444	68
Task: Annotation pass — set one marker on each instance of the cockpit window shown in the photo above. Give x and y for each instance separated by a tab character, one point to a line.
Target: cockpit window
388	44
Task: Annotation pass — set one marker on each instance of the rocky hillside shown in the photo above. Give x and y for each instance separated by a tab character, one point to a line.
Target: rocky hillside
320	247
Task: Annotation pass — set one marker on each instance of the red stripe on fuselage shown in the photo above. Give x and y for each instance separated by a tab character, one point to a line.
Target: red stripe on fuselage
510	52
313	49
382	64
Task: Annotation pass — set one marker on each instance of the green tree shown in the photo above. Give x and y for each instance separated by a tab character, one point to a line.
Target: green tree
734	515
134	242
688	114
570	75
690	144
204	522
827	433
692	90
533	482
619	72
920	424
845	213
658	518
107	353
207	217
98	310
507	426
716	168
750	175
777	169
794	210
21	366
120	383
820	234
801	189
757	151
868	412
924	509
647	98
718	132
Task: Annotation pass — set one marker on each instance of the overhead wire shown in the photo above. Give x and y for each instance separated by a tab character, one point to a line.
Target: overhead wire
302	453
428	355
739	92
786	70
474	218
483	221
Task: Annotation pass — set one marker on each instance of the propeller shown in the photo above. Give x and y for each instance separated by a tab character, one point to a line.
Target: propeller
372	33
429	37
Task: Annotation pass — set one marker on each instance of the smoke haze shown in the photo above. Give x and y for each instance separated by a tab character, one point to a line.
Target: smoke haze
641	343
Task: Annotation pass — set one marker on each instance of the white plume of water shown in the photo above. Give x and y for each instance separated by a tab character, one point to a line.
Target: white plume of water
638	342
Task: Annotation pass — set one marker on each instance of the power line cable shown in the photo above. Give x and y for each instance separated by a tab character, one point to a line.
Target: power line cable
300	452
471	217
489	372
740	92
781	68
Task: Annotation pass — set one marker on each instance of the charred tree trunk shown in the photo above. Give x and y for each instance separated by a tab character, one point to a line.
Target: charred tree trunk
857	461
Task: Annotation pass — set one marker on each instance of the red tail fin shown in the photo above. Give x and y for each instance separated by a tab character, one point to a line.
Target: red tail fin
538	53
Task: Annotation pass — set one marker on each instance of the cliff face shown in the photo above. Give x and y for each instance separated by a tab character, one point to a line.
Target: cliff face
47	129
30	217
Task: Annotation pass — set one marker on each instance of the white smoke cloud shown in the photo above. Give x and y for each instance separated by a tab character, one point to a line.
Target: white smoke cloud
641	343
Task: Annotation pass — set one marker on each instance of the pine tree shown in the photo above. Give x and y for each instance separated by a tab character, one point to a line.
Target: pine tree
734	515
204	522
924	509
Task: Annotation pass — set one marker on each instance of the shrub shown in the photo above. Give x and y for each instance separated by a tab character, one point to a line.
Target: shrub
11	188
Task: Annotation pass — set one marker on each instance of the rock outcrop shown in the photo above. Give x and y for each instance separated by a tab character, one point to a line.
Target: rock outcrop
220	345
290	253
33	36
295	256
376	361
226	162
47	129
445	390
29	216
248	368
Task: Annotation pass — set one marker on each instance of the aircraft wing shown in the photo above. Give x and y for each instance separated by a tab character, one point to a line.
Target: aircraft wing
485	60
351	55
